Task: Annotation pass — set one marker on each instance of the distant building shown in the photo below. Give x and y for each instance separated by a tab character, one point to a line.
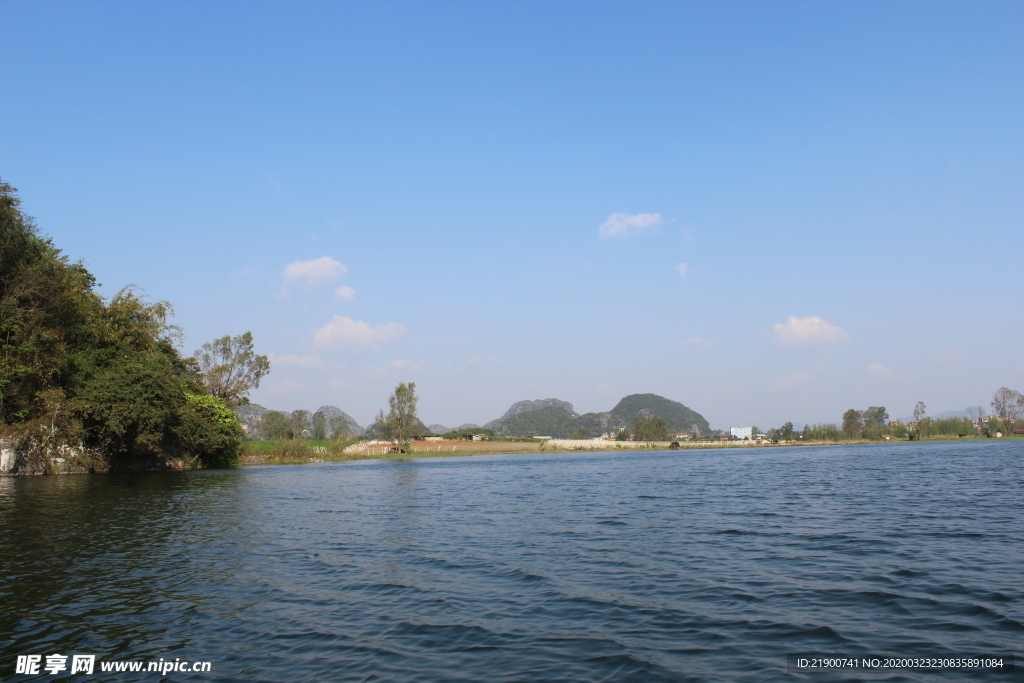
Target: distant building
741	432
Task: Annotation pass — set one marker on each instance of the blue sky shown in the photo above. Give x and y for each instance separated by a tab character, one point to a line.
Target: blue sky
768	211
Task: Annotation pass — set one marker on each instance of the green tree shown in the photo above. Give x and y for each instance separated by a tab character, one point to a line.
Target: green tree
45	309
209	431
876	420
400	422
275	426
230	368
653	428
86	371
876	415
301	424
1008	405
786	431
622	435
318	431
852	425
340	427
579	433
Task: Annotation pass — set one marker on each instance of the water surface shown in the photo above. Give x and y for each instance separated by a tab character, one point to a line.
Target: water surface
674	566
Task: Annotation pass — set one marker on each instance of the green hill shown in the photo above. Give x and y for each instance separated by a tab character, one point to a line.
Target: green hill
551	418
678	416
547	421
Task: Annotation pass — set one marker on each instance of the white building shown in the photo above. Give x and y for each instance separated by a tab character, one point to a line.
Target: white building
741	432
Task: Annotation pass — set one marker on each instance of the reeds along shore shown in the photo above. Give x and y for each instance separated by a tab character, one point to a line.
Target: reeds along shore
301	451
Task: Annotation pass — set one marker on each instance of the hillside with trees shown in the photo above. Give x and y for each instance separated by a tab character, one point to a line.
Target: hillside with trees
101	382
558	419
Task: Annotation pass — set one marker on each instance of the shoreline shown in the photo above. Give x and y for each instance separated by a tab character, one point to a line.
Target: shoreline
451	449
302	453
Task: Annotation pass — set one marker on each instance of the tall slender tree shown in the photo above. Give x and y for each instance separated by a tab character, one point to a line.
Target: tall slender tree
399	422
230	369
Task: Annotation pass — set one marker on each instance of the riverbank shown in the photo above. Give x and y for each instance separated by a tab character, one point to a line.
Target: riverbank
16	460
297	452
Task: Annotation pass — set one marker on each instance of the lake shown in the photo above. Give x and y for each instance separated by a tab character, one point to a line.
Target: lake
700	565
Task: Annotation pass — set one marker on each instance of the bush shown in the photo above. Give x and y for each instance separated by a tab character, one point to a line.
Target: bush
209	432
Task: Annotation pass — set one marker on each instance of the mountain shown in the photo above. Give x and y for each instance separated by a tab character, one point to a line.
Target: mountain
250	416
548	421
678	416
334	411
552	417
438	429
520	407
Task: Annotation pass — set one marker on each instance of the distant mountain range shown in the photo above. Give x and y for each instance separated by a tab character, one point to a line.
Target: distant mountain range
542	417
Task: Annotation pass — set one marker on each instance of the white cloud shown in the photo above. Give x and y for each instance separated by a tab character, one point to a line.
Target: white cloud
681	267
343	332
315	272
295	361
699	342
344	293
810	330
625	225
878	370
792	380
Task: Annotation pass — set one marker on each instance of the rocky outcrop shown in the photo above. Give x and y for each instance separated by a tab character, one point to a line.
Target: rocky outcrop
31	454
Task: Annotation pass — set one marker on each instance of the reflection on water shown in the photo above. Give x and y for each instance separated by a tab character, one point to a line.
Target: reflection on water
701	565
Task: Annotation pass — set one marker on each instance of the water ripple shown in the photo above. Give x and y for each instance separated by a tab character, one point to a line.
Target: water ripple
695	566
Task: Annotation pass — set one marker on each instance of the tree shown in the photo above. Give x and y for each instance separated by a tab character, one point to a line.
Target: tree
875	420
340	427
786	431
977	414
852	425
400	421
318	431
77	370
230	368
653	428
579	433
920	416
300	423
876	415
1008	405
275	426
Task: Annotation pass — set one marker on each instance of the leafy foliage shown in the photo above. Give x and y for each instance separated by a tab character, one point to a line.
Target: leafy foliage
401	424
106	372
652	428
230	368
548	421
